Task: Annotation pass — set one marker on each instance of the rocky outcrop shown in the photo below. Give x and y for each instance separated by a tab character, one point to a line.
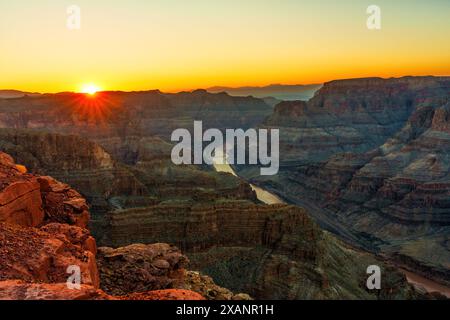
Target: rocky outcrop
134	270
20	197
140	268
44	255
30	201
62	203
19	290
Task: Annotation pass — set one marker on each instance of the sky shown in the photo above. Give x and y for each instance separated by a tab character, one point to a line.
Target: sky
175	45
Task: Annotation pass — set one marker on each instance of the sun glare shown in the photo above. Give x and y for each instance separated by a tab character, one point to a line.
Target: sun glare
90	89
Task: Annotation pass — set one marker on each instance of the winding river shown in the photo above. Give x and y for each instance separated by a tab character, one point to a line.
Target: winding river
270	198
262	195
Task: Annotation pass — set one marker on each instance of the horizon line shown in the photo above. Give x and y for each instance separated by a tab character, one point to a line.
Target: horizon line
231	87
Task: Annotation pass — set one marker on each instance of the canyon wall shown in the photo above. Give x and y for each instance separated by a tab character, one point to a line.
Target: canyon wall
121	114
370	157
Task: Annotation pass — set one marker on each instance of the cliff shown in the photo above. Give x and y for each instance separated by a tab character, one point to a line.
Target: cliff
43	233
369	158
270	252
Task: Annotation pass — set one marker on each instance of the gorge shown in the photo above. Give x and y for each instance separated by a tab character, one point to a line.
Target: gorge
365	159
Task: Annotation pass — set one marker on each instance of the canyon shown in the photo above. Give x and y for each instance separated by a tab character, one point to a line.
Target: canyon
364	159
278	245
369	158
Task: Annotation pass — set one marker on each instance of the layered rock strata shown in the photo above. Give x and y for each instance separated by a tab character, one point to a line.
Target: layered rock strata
369	158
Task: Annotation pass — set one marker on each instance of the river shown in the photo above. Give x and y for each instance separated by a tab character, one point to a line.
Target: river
428	285
270	198
262	195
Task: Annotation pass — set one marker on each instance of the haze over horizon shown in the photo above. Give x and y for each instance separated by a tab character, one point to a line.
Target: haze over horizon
174	46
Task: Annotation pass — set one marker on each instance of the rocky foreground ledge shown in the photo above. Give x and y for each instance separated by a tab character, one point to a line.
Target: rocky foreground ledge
43	232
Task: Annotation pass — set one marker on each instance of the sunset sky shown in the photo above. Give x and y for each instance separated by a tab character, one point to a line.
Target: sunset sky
186	44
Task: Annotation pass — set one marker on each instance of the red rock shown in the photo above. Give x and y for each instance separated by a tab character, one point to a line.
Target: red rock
76	235
19	290
6	159
20	203
141	268
63	204
20	198
170	294
44	255
28	200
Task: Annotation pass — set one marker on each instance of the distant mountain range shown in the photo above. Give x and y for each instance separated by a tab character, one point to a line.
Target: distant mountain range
278	91
11	94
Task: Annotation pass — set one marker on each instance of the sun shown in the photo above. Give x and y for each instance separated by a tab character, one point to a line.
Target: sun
90	89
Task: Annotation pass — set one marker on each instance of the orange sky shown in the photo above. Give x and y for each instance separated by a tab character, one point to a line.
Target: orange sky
173	44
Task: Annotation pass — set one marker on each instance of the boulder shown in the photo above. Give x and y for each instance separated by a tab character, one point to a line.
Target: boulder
140	268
